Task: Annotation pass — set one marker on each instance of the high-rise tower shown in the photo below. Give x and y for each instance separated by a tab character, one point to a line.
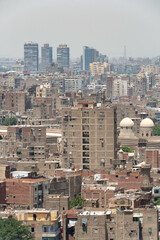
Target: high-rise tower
46	56
31	59
63	56
89	56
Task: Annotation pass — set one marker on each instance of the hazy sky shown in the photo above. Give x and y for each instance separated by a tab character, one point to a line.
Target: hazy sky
106	25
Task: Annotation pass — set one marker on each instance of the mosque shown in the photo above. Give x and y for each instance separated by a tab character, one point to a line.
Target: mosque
146	136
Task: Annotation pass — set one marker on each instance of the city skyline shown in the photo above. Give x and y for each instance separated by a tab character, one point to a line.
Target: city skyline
107	26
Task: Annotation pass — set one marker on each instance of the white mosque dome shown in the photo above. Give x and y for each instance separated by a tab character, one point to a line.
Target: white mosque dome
147	122
126	122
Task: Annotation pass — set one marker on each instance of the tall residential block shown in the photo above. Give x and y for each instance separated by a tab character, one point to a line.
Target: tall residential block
63	56
109	84
46	56
72	84
15	101
89	136
90	55
31	58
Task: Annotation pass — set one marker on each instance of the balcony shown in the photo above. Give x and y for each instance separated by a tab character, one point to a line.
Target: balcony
85	154
86	141
85	134
51	234
85	147
85	121
85	114
86	167
85	128
40	192
86	160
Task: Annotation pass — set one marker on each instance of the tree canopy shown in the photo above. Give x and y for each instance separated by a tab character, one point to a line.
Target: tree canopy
158	202
126	149
76	202
12	229
157	130
9	121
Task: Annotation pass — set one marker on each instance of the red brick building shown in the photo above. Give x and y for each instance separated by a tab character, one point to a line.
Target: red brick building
26	193
2	193
153	157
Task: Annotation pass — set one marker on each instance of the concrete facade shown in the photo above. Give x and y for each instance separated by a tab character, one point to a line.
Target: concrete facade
89	136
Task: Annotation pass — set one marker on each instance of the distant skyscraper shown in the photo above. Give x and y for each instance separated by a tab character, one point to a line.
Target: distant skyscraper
63	56
89	56
31	59
46	55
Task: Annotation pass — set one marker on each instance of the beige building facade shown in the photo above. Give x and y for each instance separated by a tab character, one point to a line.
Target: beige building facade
89	136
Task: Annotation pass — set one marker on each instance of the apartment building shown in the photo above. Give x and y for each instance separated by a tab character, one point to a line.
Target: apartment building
97	68
26	193
72	84
140	223
89	136
15	101
44	224
32	139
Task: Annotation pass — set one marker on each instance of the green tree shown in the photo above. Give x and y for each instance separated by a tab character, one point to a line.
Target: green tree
76	202
9	121
158	202
157	130
12	229
126	149
154	100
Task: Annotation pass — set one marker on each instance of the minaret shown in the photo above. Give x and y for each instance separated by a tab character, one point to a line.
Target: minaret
146	183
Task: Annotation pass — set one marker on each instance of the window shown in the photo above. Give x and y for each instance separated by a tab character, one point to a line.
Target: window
84	228
95	230
34	217
150	230
32	229
156	191
149	219
101	113
95	219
